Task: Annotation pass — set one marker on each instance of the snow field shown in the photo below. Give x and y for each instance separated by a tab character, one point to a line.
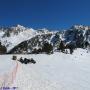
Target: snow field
58	71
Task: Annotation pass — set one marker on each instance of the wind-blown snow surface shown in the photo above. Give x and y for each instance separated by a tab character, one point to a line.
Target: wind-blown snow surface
58	71
6	64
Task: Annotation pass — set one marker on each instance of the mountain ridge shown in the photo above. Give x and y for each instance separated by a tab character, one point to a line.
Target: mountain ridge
13	36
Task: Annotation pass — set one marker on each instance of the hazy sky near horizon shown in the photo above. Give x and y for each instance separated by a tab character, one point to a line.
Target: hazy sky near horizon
53	14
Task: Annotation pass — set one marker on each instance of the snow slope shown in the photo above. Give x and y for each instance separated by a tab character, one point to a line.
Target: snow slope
18	34
13	40
58	71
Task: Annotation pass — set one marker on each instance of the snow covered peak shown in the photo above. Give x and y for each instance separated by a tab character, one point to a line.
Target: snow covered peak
80	27
44	31
19	27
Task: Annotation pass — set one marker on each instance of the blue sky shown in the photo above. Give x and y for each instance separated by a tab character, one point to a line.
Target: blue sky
53	14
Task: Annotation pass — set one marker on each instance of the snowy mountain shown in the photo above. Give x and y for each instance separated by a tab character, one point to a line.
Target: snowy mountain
78	31
20	39
12	36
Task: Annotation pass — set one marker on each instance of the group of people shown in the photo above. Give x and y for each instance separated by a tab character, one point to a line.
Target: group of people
26	60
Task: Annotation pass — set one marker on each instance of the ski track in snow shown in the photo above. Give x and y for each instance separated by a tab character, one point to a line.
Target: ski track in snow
54	72
8	78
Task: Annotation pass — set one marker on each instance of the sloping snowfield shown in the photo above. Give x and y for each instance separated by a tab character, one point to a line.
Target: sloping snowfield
58	71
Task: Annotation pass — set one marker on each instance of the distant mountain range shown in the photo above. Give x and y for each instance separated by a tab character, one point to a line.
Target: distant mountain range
20	39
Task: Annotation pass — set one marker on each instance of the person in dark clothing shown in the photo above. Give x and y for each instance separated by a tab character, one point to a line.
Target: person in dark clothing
21	60
26	60
32	61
